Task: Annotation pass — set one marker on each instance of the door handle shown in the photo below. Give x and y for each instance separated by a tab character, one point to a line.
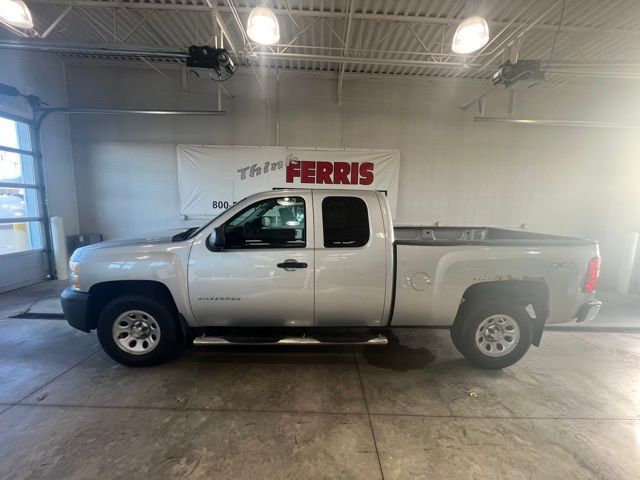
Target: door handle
290	265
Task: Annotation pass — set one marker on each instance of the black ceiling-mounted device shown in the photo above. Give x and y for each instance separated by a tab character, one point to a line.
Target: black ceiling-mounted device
216	62
519	75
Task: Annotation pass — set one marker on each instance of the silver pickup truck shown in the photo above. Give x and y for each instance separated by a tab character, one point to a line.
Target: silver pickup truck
318	267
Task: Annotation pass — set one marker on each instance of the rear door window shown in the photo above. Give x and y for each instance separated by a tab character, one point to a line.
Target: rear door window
345	222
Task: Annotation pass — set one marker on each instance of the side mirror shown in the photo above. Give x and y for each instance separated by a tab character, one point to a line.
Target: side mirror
216	241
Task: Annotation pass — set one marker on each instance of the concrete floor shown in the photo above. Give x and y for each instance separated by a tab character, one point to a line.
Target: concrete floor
570	409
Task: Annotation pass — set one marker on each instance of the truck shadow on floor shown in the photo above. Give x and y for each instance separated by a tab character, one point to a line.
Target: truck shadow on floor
396	356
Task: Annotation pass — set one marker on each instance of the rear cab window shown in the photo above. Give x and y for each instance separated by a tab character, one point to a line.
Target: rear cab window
345	222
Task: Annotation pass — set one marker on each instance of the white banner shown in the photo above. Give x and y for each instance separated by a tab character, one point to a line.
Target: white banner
212	178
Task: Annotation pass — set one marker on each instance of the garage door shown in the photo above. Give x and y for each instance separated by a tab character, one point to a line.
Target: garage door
23	259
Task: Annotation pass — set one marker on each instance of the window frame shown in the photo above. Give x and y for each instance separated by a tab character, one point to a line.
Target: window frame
38	187
270	247
366	207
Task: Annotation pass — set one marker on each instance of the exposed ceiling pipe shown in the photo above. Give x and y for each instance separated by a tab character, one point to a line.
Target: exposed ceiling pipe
554	123
590	64
95	49
43	113
480	97
586	73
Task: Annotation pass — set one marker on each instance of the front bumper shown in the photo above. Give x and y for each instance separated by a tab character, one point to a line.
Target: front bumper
75	307
588	311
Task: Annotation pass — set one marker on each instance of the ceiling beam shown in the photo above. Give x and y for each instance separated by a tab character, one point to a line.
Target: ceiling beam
555	123
137	26
347	34
376	17
295	39
247	43
119	49
213	8
55	23
107	49
362	60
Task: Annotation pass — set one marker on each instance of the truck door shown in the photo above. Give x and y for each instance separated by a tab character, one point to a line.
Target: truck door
352	258
264	275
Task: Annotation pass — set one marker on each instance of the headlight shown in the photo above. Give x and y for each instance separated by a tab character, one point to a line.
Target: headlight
74	275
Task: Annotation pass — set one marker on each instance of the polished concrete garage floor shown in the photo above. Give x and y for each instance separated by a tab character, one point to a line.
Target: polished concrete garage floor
415	409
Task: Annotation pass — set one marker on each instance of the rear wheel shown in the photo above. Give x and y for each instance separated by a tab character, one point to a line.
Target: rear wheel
137	331
493	334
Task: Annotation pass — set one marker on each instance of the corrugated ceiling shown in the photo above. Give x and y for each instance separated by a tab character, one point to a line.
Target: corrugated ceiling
400	38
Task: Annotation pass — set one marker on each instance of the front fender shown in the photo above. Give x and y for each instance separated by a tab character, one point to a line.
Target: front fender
164	263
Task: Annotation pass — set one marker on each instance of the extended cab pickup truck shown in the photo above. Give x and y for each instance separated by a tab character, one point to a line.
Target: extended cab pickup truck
327	266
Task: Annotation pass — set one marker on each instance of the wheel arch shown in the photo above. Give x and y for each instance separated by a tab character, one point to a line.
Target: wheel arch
521	292
102	293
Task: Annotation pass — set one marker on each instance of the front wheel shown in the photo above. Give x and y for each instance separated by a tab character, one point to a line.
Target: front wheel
137	331
493	334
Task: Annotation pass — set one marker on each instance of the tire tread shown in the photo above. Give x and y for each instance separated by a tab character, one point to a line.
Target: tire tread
464	329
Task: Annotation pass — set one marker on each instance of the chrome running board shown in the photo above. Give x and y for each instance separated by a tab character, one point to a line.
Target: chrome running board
204	340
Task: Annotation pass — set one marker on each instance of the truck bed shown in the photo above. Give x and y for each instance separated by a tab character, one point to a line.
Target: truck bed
459	257
445	236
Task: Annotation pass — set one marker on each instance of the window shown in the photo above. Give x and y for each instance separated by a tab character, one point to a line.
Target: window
345	221
272	223
20	216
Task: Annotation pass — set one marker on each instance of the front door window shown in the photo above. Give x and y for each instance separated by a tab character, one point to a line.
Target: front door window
272	223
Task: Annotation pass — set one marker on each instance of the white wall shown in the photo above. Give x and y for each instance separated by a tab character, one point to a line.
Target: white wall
558	180
43	75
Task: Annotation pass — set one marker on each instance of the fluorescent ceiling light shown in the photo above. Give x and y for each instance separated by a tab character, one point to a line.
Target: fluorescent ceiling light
262	26
472	34
16	14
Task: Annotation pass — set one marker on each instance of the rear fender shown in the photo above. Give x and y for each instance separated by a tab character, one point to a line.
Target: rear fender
531	295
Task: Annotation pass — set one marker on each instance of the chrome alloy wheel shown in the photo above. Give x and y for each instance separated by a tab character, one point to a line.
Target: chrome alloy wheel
497	335
136	332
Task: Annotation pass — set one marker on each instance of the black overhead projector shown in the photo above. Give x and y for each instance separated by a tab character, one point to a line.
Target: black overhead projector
519	75
215	61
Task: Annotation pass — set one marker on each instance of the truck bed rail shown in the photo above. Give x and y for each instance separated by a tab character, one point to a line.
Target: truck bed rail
449	236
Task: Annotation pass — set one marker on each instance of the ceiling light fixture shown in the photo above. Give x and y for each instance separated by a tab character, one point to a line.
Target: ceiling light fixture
262	26
471	35
15	13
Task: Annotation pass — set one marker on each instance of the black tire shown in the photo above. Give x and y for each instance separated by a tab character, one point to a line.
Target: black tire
185	340
463	334
456	332
164	321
